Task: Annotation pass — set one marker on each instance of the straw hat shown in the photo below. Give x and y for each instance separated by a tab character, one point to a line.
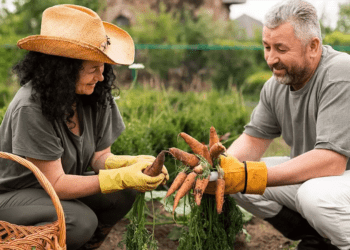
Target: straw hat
78	32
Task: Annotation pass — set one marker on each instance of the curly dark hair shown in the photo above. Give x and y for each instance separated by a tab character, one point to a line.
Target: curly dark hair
54	79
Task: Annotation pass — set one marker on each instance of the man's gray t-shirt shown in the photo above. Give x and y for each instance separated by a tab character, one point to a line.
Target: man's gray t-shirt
314	117
26	132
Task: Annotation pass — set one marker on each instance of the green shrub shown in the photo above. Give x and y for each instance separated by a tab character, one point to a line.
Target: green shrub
154	119
5	96
337	38
219	67
2	113
254	83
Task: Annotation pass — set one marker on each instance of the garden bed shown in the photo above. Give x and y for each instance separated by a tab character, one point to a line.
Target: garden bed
263	236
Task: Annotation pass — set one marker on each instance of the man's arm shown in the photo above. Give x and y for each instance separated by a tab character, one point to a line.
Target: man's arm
312	164
248	148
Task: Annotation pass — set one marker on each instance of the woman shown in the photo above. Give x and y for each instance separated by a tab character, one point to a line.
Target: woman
64	120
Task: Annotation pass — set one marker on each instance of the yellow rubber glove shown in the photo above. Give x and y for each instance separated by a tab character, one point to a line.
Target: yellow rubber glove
119	161
236	179
112	180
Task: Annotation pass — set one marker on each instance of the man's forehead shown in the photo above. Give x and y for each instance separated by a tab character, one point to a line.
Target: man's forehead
281	34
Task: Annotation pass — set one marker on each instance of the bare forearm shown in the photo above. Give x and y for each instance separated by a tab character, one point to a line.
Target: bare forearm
99	163
76	186
313	164
248	148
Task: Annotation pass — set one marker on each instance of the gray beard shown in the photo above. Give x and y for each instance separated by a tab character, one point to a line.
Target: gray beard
285	80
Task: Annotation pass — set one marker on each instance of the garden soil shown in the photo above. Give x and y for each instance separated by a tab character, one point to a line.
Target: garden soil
263	236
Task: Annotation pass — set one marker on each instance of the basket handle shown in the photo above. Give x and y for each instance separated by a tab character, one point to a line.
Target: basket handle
48	188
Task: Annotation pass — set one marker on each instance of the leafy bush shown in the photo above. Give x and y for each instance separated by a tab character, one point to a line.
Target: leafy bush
337	38
154	119
254	83
2	113
5	95
220	67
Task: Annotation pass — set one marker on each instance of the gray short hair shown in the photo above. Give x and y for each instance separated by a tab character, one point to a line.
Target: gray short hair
300	14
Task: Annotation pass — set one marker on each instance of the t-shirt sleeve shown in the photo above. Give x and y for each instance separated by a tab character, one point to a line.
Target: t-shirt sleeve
333	118
34	136
110	127
263	122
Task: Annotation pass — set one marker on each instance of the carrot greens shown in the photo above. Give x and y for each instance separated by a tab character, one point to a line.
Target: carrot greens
208	230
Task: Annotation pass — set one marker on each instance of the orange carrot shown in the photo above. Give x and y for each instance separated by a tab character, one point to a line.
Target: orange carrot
179	179
220	190
186	158
185	188
197	147
219	194
201	185
213	137
216	150
156	167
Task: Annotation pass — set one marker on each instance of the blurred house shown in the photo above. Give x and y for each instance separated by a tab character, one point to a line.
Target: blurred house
124	12
250	25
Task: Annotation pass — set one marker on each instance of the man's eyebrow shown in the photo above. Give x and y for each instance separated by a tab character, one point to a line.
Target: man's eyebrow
275	45
279	44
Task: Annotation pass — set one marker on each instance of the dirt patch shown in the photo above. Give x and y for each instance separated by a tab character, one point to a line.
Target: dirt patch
263	237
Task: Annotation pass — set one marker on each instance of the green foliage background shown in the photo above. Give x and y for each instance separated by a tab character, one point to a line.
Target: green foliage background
154	119
224	67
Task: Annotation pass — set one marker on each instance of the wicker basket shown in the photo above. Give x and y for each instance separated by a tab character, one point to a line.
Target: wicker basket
49	236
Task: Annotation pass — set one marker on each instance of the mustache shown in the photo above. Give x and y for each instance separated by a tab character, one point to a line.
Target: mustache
278	66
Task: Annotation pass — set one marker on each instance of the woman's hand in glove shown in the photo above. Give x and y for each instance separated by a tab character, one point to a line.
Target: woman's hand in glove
132	177
119	161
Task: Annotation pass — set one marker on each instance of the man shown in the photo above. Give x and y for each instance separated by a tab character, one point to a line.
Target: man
306	102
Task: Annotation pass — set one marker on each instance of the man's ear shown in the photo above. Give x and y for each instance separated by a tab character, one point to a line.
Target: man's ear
314	47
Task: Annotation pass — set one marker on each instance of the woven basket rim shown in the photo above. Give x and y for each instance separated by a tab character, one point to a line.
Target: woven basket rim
60	223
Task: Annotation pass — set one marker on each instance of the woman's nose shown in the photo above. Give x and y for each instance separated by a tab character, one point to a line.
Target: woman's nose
99	76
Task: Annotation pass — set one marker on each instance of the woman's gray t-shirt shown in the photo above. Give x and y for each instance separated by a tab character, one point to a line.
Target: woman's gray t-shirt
26	132
314	117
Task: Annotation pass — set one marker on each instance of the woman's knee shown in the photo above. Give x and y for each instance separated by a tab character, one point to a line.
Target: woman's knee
81	223
120	204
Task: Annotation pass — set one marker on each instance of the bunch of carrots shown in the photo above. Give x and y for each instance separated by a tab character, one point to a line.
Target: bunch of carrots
195	175
198	166
214	221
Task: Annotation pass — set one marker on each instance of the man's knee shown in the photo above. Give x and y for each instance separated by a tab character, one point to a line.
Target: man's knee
314	200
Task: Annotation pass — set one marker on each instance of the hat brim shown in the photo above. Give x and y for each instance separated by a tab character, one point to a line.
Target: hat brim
120	51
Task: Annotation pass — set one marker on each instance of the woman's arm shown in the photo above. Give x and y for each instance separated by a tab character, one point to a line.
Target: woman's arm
67	186
99	159
72	186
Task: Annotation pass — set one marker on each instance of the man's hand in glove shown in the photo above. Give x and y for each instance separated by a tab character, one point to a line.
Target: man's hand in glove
247	177
132	177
